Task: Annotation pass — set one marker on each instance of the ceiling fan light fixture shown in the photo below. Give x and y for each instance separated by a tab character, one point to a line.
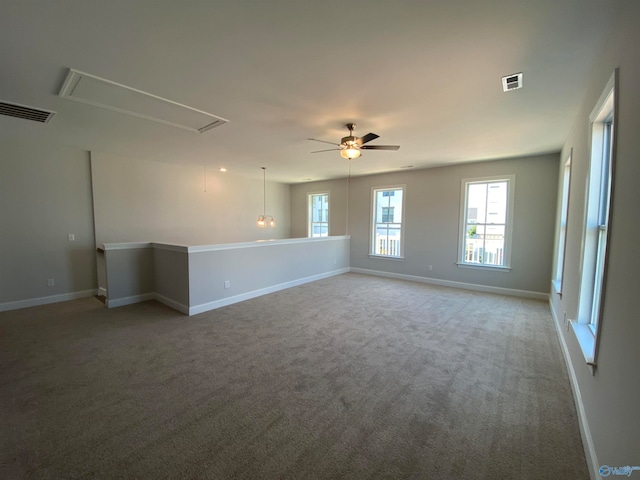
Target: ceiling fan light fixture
350	153
351	145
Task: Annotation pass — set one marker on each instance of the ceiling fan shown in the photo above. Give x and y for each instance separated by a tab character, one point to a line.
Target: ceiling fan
351	145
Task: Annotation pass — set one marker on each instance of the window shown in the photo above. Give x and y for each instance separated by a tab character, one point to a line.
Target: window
596	224
485	227
562	227
318	215
387	228
387	214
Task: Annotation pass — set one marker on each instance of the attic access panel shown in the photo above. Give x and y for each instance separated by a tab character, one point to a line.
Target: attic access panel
103	93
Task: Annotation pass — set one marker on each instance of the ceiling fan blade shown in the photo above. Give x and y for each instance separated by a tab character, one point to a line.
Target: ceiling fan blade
380	147
323	141
368	137
327	150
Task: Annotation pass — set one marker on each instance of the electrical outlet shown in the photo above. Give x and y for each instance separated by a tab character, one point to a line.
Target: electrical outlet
431	268
72	237
227	284
335	262
51	282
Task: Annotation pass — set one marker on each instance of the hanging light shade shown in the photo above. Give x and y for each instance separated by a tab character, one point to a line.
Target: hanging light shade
265	219
350	152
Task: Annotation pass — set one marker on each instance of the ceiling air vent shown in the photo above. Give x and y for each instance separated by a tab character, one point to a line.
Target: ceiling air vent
512	82
213	124
103	93
26	113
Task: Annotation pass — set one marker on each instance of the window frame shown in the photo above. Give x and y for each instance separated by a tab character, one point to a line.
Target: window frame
597	224
373	223
508	231
310	222
563	221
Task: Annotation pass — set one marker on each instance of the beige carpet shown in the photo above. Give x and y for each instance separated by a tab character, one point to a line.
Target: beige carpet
350	377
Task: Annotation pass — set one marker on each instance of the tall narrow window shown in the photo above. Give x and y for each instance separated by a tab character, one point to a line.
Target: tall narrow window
386	237
596	225
318	215
562	227
485	227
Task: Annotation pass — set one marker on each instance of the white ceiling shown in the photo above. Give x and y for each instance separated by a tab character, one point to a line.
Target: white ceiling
425	75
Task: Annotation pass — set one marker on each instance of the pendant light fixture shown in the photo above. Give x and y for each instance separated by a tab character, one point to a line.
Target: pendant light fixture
265	219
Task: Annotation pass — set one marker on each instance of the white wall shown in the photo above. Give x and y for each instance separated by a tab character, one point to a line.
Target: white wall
131	273
262	267
45	194
141	201
337	191
610	397
48	191
432	221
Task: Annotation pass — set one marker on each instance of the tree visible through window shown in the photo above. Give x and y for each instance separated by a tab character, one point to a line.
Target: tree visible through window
387	222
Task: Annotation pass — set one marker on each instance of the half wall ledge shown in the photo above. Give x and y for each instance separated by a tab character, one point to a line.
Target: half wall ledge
195	279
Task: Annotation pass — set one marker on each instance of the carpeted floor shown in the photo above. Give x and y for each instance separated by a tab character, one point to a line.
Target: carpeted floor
350	377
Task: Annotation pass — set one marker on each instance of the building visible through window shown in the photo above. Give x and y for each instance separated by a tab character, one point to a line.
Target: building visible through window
485	225
387	214
318	215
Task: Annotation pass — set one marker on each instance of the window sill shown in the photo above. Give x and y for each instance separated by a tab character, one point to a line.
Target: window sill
386	257
586	340
484	267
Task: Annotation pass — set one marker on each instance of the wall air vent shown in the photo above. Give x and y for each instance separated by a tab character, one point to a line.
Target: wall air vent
99	92
512	82
26	113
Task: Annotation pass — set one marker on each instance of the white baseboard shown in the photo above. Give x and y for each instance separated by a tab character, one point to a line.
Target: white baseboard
34	302
205	307
102	291
120	302
585	432
172	303
449	283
